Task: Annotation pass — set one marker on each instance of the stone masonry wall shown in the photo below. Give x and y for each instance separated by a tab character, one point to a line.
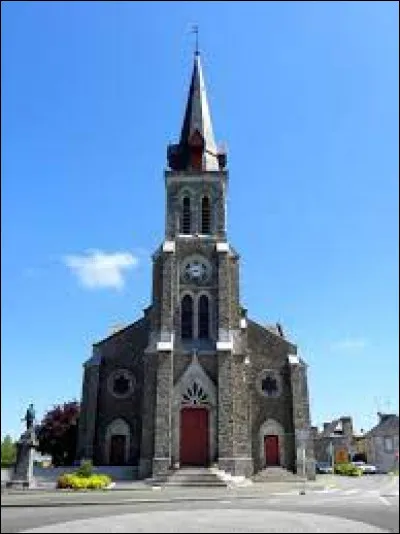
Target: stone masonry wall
123	350
195	188
87	418
301	417
268	351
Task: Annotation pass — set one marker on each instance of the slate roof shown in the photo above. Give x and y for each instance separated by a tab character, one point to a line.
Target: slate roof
196	119
389	424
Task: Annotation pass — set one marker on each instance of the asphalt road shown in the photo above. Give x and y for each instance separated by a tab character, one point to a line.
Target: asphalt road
313	512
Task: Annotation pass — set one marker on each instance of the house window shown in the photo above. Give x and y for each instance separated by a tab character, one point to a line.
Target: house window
187	317
204	317
205	216
388	444
186	216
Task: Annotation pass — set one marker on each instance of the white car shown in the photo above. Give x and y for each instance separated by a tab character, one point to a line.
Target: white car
366	468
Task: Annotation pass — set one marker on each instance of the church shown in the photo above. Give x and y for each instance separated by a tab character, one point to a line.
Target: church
195	381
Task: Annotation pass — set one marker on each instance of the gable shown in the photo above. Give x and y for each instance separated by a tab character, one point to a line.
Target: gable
193	378
260	335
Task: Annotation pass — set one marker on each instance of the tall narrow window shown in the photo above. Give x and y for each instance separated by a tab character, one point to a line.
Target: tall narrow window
187	317
186	216
205	216
204	317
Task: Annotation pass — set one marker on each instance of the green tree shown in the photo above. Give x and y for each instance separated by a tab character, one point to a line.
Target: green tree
57	433
8	451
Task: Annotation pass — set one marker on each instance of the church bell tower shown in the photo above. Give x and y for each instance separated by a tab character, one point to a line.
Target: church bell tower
196	308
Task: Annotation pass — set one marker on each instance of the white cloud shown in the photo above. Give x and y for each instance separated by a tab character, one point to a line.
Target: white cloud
350	344
99	269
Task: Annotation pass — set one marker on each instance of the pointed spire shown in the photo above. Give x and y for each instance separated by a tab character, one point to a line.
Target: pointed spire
197	148
197	118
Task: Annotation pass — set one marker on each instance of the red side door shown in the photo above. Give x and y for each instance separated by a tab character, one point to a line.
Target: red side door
117	450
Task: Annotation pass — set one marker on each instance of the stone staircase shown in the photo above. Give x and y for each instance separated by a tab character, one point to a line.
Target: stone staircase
276	474
189	477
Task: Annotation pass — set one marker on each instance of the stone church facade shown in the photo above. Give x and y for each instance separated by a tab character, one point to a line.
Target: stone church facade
195	381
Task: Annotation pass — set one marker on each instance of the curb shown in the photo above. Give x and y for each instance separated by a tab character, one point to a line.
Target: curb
124	502
49	503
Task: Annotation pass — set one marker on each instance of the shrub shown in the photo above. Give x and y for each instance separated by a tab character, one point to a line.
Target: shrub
78	482
85	470
347	469
65	481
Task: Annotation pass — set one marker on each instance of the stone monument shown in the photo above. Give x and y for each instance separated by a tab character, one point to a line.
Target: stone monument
22	475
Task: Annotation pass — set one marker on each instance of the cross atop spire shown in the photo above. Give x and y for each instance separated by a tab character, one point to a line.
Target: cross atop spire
196	149
195	30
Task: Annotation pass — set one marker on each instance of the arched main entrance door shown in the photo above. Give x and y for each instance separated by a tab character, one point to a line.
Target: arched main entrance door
194	436
194	417
271	450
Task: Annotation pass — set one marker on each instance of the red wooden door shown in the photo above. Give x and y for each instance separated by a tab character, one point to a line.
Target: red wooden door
194	436
271	450
117	449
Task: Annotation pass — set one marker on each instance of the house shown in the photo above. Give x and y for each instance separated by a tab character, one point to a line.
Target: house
359	447
336	438
382	443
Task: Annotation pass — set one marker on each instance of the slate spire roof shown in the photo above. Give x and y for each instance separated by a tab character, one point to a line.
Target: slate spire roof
196	147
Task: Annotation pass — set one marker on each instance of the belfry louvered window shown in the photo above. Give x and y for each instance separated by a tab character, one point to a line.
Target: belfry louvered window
204	317
186	216
187	317
205	216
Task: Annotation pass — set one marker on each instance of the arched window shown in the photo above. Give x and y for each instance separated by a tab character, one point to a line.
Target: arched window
186	216
205	216
204	317
187	317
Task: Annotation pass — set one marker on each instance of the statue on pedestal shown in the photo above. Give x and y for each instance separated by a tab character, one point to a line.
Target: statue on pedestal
23	469
30	417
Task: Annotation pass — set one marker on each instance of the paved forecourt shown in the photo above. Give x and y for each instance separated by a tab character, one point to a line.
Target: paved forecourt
216	520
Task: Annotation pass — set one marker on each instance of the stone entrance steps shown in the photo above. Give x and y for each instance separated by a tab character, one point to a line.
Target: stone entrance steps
276	474
190	476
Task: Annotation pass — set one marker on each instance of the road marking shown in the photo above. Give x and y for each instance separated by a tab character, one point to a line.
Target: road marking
351	491
225	502
384	500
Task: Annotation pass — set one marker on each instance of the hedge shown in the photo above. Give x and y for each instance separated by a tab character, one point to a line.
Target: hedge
79	482
348	470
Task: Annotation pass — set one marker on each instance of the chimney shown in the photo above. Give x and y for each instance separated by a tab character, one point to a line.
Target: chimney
347	426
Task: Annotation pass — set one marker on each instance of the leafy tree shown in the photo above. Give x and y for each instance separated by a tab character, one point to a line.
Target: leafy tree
8	451
57	433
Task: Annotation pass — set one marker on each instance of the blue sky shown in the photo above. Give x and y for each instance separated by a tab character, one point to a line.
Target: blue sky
306	96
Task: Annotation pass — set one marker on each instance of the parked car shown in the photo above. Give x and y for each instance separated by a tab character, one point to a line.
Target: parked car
366	468
323	468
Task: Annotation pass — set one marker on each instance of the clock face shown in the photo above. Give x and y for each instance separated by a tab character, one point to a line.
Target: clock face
196	270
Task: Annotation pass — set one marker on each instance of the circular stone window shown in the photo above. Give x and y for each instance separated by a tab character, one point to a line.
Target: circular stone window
121	383
269	384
